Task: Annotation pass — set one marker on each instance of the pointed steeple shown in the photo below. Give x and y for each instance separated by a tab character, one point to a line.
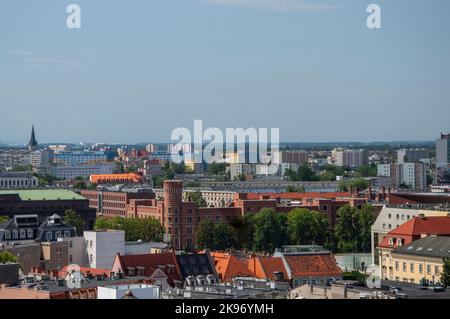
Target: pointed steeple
32	144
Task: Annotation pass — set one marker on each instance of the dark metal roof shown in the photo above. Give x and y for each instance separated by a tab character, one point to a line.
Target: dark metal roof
430	246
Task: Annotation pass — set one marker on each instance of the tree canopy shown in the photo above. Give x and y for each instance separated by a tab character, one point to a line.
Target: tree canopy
73	219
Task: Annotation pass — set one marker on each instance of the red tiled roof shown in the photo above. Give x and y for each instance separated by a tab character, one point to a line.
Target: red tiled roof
150	262
270	265
415	227
84	270
229	266
313	265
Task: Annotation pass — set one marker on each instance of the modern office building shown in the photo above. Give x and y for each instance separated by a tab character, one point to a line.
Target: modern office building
102	246
443	159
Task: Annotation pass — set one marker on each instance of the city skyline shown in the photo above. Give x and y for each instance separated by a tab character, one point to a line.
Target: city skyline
134	73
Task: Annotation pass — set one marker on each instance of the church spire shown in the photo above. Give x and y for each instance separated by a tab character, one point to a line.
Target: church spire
32	144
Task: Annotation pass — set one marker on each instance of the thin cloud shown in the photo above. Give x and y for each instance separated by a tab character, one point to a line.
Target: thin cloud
52	62
20	53
278	5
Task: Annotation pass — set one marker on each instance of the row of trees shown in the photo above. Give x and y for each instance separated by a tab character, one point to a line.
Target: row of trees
329	172
145	229
267	230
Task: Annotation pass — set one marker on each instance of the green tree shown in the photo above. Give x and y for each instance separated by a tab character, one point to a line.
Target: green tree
342	186
306	227
224	237
327	176
73	219
305	173
358	184
366	218
205	235
198	199
7	257
345	230
145	229
79	185
193	184
3	219
445	275
367	170
217	169
269	231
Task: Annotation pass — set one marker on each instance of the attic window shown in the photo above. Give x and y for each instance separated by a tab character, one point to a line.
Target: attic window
429	249
419	249
410	247
391	241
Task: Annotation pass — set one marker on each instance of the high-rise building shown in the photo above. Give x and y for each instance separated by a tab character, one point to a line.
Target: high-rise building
351	158
443	159
294	156
413	155
413	175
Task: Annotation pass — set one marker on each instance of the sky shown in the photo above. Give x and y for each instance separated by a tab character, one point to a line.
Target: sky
137	69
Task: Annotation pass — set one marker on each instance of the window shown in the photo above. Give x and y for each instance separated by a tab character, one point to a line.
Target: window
411	267
189	230
7	234
91	243
67	233
58	234
48	236
91	258
428	269
436	270
396	266
23	234
29	233
189	220
404	267
15	234
391	241
420	268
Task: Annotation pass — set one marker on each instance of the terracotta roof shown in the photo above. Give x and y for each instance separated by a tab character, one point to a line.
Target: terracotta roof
270	265
313	265
230	265
415	227
150	262
85	270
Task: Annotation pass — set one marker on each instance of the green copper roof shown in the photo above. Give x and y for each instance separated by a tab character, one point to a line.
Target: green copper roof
44	194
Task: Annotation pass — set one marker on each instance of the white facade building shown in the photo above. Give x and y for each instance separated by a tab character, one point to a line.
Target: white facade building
16	180
102	247
351	158
390	218
139	291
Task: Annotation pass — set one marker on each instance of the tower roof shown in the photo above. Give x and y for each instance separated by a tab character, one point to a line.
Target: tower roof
32	144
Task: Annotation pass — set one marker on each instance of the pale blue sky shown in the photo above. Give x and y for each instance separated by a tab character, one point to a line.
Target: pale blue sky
139	68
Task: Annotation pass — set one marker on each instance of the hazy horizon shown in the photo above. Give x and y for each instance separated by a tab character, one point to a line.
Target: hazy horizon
137	70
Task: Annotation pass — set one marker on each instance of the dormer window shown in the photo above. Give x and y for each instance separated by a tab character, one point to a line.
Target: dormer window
30	233
399	242
15	234
391	241
7	234
23	234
